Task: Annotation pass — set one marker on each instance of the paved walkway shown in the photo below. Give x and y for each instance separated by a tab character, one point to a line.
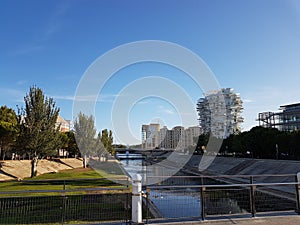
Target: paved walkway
276	220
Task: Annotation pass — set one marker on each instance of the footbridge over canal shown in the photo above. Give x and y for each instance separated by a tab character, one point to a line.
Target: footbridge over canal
142	151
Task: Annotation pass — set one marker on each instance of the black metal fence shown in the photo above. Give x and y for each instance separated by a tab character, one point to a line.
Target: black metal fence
67	205
179	197
200	198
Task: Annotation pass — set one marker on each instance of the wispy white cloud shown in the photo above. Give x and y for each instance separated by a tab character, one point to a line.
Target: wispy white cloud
54	23
22	82
51	27
64	97
13	94
246	100
86	98
167	111
164	110
27	49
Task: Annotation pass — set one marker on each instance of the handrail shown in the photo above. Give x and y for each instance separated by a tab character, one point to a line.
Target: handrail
227	176
220	185
64	191
65	180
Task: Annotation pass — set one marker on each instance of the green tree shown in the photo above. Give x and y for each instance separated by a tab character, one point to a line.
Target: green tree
107	140
201	143
63	140
104	139
294	145
99	147
8	129
39	136
72	147
110	143
262	142
85	132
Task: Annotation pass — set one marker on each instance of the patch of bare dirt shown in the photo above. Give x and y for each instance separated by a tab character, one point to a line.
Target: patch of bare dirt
20	169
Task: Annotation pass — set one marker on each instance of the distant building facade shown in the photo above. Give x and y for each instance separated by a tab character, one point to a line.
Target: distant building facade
286	120
176	138
150	136
220	113
64	125
190	136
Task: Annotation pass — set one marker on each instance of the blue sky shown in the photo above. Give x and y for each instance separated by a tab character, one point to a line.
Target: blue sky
252	46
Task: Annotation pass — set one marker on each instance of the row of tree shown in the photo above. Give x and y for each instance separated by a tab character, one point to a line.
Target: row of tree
88	142
33	132
259	142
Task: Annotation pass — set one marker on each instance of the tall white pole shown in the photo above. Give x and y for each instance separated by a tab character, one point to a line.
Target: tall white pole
137	199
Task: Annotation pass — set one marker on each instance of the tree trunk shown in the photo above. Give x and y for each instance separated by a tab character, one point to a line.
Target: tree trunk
84	161
34	163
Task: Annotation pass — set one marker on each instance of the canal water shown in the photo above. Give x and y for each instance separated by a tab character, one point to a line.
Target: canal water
173	203
186	203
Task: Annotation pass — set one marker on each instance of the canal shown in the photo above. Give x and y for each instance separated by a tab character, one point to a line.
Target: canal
186	202
175	203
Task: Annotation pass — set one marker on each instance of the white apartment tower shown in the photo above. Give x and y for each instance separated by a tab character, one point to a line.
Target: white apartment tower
220	113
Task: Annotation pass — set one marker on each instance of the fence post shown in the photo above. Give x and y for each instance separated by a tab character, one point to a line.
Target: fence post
202	200
147	204
137	199
252	197
298	192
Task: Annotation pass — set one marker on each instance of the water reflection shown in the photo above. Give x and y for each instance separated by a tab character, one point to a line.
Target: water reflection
134	166
180	203
176	204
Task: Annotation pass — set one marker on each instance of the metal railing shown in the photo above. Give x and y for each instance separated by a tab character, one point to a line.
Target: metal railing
203	197
64	203
83	201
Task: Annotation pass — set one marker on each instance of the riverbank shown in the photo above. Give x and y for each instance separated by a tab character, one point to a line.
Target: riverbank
238	170
246	166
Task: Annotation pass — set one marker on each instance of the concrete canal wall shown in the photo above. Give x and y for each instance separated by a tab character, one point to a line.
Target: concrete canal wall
245	166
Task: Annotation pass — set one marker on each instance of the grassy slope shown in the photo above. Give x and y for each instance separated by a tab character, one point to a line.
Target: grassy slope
68	179
50	208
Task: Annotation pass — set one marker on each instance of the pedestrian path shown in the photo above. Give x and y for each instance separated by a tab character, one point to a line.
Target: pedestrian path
276	220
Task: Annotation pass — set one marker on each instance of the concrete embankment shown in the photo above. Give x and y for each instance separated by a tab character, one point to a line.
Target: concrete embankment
245	166
19	169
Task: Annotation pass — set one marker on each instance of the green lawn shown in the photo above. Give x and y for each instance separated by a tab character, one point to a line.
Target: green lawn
67	179
31	201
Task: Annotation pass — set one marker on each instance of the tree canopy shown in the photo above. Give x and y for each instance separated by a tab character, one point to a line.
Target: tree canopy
38	133
260	142
85	132
8	129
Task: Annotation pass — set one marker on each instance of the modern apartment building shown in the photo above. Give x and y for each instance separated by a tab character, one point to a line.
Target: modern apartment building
190	134
220	113
177	137
150	136
288	119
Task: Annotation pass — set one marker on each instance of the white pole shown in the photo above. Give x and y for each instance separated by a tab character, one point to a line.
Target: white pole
137	199
298	192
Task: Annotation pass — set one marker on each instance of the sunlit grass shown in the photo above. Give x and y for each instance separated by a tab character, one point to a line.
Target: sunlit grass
64	180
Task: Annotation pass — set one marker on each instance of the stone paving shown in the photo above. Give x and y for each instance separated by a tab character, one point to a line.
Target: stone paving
276	220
